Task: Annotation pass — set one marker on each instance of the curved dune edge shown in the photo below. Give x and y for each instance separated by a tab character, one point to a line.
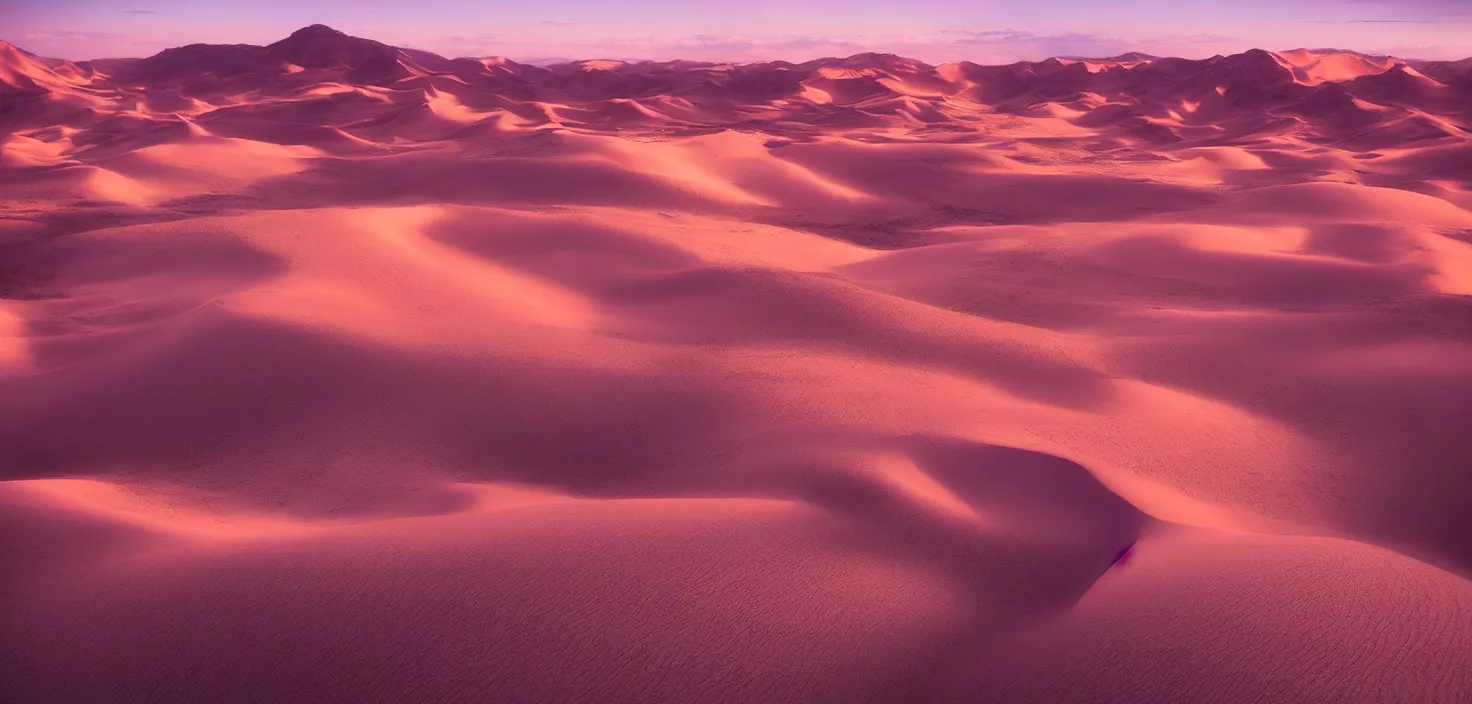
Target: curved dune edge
331	371
823	589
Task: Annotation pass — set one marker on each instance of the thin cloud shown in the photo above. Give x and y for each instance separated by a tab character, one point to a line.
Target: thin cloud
713	44
139	12
1037	46
73	36
557	23
1191	39
1320	20
1411	11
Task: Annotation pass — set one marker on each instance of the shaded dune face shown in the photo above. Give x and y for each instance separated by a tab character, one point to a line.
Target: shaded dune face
332	371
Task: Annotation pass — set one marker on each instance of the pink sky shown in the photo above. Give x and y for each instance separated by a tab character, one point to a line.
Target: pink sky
747	30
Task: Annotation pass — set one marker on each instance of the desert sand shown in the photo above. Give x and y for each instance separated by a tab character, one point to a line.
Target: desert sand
337	372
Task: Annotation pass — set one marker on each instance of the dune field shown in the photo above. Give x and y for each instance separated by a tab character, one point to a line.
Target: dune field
337	372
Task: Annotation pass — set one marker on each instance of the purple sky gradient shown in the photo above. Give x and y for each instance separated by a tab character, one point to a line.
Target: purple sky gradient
749	30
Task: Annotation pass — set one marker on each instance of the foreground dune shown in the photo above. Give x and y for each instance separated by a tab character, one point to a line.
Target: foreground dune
336	372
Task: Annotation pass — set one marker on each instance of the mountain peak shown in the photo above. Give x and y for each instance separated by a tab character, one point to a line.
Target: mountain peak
316	31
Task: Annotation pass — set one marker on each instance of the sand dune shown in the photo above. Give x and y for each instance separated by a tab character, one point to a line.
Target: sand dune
334	372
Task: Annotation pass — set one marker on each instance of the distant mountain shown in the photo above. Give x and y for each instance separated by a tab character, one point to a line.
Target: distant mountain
309	79
1122	58
546	61
315	47
1346	51
1456	73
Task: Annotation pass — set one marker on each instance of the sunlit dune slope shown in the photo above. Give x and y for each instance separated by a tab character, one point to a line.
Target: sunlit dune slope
332	371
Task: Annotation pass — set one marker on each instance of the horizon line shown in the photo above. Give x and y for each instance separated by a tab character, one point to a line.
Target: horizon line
554	60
